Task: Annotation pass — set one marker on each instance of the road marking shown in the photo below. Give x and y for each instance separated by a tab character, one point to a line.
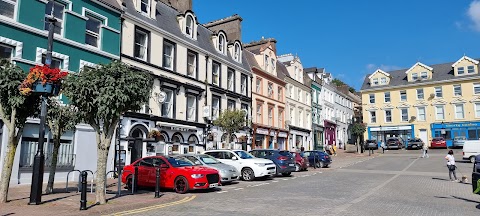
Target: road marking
140	210
222	192
239	189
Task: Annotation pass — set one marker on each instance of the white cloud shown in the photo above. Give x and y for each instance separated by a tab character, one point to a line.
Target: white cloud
372	67
473	13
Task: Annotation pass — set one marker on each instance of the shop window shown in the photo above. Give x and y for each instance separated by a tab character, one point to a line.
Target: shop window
472	134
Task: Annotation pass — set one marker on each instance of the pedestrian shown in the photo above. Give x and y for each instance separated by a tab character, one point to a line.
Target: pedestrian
329	149
382	144
425	151
451	166
334	150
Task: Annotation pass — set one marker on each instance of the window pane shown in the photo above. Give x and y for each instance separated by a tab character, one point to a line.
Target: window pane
7	9
5	51
168	55
91	40
476	88
93	24
145	6
192	64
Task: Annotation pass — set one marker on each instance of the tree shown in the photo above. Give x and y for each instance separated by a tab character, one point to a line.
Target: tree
338	82
60	118
101	95
230	121
352	90
358	129
15	108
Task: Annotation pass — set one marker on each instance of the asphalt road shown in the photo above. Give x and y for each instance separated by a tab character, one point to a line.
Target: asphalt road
396	183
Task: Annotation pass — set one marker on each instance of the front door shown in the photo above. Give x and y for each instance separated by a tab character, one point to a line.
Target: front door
136	151
424	136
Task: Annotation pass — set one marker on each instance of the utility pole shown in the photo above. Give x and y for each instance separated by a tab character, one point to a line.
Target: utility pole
39	161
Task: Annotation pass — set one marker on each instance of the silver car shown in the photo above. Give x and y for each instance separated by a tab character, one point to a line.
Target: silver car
458	141
227	172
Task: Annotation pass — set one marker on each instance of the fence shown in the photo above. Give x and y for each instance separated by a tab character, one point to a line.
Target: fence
66	158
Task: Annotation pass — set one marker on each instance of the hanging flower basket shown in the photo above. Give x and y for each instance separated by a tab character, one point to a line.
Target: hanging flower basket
43	80
242	139
155	134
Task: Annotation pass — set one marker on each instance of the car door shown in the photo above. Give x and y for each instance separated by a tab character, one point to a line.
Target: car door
164	173
145	170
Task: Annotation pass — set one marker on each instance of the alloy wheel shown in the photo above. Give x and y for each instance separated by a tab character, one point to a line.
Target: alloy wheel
181	185
247	174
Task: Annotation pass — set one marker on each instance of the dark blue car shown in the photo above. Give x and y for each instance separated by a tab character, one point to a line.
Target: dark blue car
284	160
318	159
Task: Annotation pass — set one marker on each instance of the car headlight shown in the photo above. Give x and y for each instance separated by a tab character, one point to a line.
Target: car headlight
260	164
196	176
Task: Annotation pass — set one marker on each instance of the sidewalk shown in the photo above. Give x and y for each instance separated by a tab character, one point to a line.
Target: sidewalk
63	203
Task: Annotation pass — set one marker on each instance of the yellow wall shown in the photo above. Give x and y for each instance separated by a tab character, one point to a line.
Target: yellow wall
379	76
419	69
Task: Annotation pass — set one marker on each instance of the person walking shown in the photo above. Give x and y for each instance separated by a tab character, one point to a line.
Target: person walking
334	150
451	166
425	151
382	144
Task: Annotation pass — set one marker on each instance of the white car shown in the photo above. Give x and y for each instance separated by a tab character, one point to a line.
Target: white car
249	166
471	148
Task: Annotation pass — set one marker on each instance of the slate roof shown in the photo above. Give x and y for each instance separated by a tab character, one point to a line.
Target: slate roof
166	19
250	57
112	3
399	77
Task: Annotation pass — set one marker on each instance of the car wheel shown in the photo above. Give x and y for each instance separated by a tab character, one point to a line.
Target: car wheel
472	159
322	164
297	168
286	174
128	184
181	185
247	174
317	165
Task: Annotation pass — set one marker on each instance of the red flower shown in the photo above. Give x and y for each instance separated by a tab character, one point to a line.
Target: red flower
43	74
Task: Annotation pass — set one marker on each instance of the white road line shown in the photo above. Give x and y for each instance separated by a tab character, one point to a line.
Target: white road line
239	189
222	192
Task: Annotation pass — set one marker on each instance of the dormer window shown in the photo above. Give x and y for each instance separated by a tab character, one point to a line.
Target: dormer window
236	53
266	62
471	69
383	80
375	81
423	75
145	6
461	70
273	64
414	76
221	43
189	26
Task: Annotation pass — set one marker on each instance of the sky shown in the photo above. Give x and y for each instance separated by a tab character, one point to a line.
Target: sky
352	38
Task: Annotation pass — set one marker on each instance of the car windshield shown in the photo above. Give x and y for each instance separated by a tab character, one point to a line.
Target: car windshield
460	138
208	159
180	162
244	154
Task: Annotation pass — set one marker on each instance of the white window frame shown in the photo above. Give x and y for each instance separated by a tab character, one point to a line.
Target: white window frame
145	45
438	92
470	68
404	94
192	108
243	84
148	6
259	112
383	80
215	108
170	104
477	85
237	52
414	76
84	64
386	116
8	47
221	43
94	34
389	97
216	73
266	62
424	113
401	114
231	79
457	90
15	5
270	116
40	52
436	112
423	75
375	81
189	30
418	94
67	7
462	69
371	97
170	55
373	118
455	106
192	65
17	46
477	109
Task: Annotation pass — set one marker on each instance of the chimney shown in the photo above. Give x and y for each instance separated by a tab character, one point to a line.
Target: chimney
180	5
232	26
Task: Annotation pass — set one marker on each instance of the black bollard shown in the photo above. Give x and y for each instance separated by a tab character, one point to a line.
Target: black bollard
135	180
314	164
83	195
157	184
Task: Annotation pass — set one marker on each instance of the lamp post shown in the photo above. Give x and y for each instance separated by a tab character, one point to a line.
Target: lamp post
118	157
39	161
443	131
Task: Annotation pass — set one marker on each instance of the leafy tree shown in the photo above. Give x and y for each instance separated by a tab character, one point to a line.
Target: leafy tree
230	122
15	108
358	129
351	89
60	118
101	95
338	82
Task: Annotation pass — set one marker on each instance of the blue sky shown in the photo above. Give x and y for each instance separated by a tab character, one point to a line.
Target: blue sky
351	38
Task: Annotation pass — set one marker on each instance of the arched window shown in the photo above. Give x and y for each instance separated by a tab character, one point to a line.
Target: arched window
221	43
189	26
192	139
177	138
236	54
233	138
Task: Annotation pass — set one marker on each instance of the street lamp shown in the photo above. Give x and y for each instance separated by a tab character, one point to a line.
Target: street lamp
39	161
443	131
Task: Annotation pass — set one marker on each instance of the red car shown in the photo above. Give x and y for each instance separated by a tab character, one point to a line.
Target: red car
301	163
176	173
438	142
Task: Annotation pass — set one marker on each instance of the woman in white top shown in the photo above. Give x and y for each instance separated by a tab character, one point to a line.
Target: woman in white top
451	165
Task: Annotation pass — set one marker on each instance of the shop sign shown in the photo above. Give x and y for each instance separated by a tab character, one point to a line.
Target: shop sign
470	124
391	128
178	129
262	131
282	134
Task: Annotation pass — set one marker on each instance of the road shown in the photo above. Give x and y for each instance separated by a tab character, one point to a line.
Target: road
396	183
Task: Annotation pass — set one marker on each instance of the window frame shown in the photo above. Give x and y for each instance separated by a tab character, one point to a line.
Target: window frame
280	93
231	102
259	112
60	65
477	109
243	85
231	82
403	95
221	43
371	98
7	46
414	76
424	113
173	105
190	28
402	114
258	85
436	112
270	115
422	75
266	62
173	55
215	97
146	45
373	118
455	106
418	94
383	81
375	81
281	117
219	73
195	105
438	92
457	92
101	19
66	6
387	116
478	86
237	52
15	9
462	69
385	97
195	65
472	67
270	92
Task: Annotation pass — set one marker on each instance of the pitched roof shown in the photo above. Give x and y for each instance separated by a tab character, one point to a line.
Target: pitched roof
112	3
399	78
166	19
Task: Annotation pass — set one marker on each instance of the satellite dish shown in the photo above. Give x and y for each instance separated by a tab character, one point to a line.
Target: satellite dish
161	97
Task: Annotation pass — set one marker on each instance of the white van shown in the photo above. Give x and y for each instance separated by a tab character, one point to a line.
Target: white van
471	148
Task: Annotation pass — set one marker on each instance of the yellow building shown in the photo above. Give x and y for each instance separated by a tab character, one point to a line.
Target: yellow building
423	101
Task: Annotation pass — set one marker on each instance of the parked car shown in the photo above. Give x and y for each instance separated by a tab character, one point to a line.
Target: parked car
438	142
176	173
471	148
415	143
301	163
282	159
394	143
249	166
228	173
459	141
318	159
371	144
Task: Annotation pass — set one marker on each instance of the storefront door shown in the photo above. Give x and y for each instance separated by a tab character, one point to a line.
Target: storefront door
136	150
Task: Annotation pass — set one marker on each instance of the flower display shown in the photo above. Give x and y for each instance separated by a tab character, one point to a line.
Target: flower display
41	74
155	134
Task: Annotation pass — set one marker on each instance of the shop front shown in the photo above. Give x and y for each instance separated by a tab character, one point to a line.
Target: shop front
380	133
179	139
450	130
317	137
261	136
330	133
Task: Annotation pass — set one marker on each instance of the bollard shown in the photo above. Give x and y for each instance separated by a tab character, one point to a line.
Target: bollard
135	180
369	151
157	184
314	164
83	196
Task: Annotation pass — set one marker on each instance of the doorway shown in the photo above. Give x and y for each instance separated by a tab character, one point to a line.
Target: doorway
138	133
424	136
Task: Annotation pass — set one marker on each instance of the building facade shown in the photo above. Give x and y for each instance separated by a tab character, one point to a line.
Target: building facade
317	107
87	33
298	104
198	73
424	101
268	96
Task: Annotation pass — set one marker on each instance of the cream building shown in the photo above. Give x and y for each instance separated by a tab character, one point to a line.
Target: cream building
198	72
299	102
424	101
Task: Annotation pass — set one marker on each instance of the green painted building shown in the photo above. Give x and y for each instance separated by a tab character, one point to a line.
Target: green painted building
87	34
317	107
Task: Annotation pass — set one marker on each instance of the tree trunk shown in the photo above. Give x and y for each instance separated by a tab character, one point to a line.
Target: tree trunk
228	141
8	164
358	143
53	164
102	159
